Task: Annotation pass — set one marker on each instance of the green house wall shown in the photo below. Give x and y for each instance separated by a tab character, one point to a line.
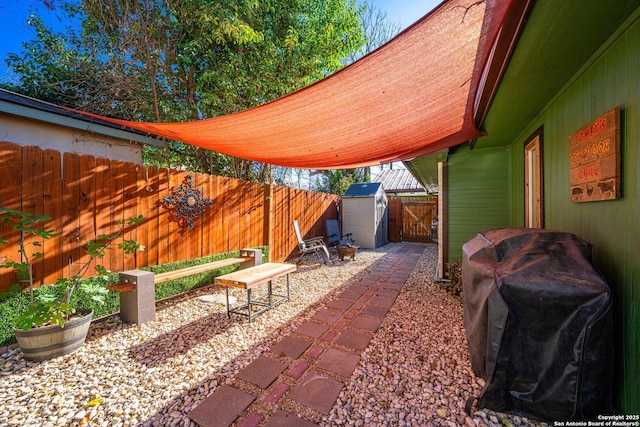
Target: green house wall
610	79
479	194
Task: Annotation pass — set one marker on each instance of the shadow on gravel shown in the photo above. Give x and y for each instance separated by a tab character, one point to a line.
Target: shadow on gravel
176	411
158	350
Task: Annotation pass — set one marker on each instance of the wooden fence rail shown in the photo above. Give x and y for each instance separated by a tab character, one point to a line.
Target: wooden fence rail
86	195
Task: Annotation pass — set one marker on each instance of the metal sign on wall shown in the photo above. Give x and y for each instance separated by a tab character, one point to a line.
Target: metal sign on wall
594	159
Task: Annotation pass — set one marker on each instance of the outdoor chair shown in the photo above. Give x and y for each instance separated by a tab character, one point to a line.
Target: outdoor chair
315	245
333	234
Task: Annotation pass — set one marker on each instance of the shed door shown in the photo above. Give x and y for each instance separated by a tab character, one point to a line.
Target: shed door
416	219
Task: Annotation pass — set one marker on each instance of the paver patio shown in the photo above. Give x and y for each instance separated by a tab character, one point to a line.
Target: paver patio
309	367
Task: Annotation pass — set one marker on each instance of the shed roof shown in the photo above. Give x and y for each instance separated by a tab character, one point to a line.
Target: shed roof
363	190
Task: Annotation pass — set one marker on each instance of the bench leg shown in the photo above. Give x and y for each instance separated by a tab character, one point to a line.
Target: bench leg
249	304
270	292
138	306
287	286
228	308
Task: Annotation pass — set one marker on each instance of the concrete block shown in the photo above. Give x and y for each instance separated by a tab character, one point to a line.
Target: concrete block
138	306
255	254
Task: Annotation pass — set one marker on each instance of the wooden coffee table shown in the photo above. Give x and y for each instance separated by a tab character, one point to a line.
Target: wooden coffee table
250	278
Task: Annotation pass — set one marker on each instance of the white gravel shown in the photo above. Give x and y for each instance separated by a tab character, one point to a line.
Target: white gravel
415	372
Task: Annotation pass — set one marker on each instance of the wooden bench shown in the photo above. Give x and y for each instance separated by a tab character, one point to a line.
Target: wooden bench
188	271
249	279
127	286
137	287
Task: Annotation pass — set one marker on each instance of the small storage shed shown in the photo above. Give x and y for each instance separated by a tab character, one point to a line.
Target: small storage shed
365	214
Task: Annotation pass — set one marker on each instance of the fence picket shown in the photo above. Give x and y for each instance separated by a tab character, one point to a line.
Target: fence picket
151	214
163	217
52	206
87	225
32	201
71	211
85	195
117	208
103	205
142	199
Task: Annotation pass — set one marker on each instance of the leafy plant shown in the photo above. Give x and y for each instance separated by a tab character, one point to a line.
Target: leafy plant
57	307
185	60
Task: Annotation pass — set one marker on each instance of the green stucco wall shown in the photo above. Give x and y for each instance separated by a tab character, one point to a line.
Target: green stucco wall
486	188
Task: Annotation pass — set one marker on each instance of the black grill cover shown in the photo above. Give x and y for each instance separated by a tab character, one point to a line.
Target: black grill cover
538	322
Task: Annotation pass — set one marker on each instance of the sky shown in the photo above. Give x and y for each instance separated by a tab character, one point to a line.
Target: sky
14	29
14	15
405	12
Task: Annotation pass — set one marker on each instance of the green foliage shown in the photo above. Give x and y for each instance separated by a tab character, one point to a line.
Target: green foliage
11	303
186	60
338	181
55	305
44	312
10	307
26	224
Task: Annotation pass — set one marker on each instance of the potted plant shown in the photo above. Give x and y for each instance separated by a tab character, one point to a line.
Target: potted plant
50	326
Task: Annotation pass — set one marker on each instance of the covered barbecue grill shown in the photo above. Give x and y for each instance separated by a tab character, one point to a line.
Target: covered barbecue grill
539	325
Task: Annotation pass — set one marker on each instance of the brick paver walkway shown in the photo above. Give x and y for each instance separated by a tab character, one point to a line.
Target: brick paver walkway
309	368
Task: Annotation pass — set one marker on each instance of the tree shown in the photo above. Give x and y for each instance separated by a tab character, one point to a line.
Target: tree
178	60
337	181
379	30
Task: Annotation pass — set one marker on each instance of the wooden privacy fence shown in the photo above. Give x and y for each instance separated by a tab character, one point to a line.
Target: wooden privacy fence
86	195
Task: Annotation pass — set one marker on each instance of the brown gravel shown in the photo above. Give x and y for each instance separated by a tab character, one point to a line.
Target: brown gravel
415	372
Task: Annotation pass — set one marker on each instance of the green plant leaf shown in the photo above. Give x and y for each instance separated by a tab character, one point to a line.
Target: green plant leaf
130	246
52	305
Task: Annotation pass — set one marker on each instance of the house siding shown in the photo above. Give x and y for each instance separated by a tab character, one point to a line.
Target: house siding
609	80
479	195
66	139
486	189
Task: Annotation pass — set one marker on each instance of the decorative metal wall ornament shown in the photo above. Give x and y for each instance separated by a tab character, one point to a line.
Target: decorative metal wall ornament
186	204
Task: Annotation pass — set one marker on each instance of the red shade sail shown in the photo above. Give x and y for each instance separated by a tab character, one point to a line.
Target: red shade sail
412	96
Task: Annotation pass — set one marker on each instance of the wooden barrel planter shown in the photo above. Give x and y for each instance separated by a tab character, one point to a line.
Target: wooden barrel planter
47	342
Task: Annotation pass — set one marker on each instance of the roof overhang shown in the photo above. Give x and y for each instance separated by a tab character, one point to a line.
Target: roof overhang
558	39
33	109
425	171
548	46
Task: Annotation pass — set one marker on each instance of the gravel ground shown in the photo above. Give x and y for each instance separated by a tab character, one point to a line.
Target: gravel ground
415	372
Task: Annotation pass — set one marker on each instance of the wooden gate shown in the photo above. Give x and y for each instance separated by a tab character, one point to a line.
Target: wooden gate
410	219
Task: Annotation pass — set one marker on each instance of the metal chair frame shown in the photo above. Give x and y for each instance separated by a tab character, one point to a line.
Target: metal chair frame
333	234
314	245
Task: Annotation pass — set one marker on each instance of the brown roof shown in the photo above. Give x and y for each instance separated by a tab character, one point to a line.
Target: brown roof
398	181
